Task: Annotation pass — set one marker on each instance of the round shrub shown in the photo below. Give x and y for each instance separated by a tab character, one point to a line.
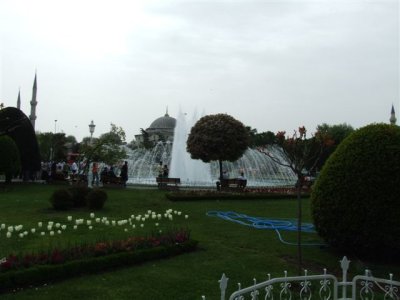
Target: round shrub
355	201
96	198
79	194
61	199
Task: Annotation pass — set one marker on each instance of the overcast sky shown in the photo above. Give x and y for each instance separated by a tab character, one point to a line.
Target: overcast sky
274	65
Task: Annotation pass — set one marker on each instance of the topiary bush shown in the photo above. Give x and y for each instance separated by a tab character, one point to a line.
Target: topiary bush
96	199
61	199
79	194
355	201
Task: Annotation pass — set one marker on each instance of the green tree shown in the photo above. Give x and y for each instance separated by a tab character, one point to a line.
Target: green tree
52	146
217	138
107	148
10	162
296	152
336	133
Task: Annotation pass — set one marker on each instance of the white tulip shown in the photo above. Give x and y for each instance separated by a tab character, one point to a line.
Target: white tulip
8	234
69	218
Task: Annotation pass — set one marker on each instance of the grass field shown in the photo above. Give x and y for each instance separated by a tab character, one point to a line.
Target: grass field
241	252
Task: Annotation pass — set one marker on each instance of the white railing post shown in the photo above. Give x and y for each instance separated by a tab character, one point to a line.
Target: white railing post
344	263
223	283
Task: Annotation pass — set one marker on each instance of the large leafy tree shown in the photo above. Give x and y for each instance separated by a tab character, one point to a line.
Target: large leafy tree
107	148
297	152
336	133
10	163
217	138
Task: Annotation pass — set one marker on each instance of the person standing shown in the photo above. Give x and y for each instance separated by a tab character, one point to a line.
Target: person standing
95	174
124	173
165	171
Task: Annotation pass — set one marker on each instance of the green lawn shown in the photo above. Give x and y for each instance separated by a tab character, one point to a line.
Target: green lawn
241	252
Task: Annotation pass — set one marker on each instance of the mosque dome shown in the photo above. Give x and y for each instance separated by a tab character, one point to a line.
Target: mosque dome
165	122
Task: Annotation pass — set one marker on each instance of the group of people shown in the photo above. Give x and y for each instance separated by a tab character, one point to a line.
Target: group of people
163	170
108	174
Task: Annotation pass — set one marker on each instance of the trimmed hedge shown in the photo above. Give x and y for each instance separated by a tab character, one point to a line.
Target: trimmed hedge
49	273
62	199
355	201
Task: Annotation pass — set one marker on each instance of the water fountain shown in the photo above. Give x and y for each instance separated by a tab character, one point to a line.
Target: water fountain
258	168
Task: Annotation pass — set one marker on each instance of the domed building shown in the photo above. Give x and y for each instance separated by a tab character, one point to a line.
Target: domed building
161	129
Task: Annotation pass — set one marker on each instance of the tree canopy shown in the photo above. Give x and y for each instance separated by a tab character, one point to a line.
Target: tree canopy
107	148
10	163
217	138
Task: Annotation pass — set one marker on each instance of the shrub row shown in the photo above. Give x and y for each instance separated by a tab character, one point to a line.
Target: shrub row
50	273
78	196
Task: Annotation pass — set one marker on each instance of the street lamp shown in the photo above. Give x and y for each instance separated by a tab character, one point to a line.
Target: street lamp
91	130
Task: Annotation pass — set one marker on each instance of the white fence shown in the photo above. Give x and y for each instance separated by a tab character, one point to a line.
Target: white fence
324	287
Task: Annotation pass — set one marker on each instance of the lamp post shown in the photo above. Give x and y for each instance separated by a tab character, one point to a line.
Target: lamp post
55	126
91	130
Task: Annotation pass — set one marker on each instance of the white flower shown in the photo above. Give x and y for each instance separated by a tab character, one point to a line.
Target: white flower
25	233
90	227
3	226
97	220
170	217
92	215
49	227
50	223
75	227
10	229
138	218
8	234
59	231
42	233
113	222
156	224
175	212
33	230
159	216
143	219
88	222
142	225
39	224
69	218
18	227
186	216
153	216
160	231
179	213
58	225
51	233
133	226
149	211
63	227
21	235
126	229
132	216
146	216
107	223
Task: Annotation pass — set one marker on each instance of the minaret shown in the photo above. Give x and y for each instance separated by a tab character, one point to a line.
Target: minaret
393	116
19	100
32	117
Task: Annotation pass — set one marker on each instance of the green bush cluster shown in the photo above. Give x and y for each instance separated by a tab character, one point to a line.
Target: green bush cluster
96	199
79	196
355	201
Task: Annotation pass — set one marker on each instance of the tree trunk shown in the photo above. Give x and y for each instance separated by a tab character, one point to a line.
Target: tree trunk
299	221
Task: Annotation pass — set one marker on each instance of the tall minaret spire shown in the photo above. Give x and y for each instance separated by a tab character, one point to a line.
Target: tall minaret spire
393	116
19	99
32	117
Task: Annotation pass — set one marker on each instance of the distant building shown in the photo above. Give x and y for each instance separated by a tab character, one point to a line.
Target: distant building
161	129
32	116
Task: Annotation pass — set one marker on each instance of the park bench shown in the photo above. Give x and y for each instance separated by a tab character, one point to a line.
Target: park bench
111	180
167	183
232	184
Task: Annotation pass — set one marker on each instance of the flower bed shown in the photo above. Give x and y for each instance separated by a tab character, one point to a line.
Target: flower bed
37	268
